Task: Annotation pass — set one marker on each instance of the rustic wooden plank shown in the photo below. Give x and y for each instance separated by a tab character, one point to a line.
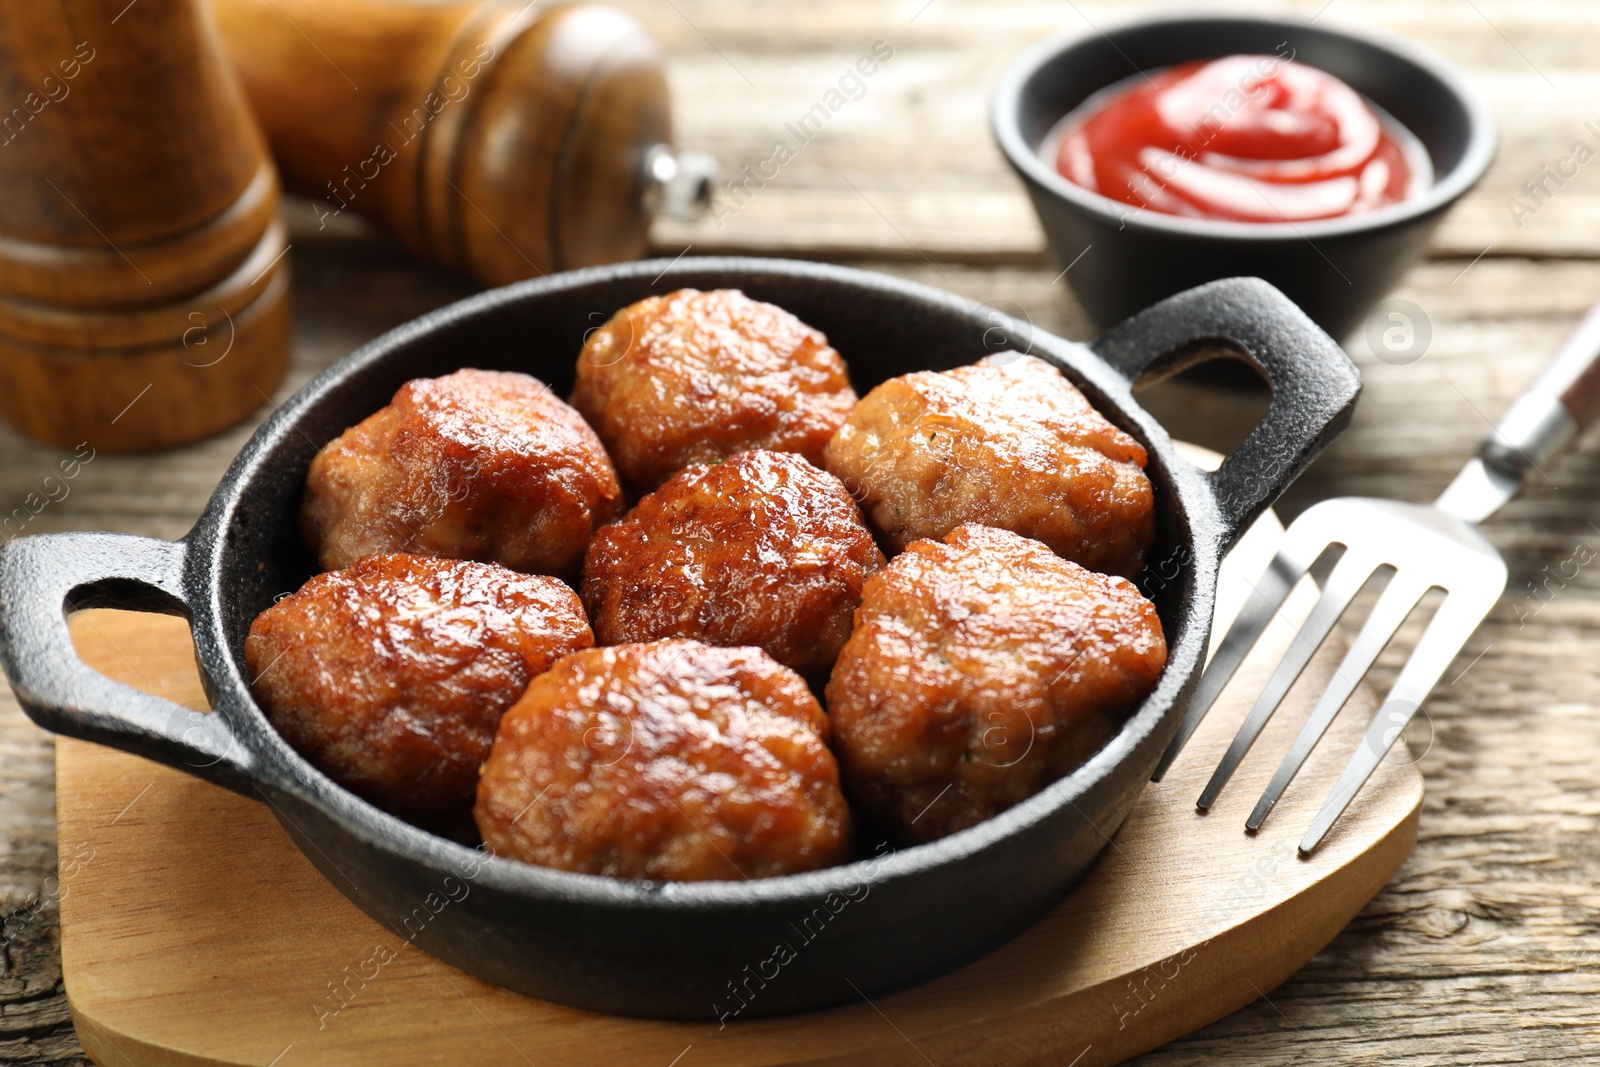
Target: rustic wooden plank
152	957
1484	945
911	169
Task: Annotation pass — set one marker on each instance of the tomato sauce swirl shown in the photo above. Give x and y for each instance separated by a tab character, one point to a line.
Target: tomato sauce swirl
1245	138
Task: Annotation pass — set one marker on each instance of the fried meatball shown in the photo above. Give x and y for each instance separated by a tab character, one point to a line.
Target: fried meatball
482	465
671	760
1006	442
391	675
691	377
763	549
982	668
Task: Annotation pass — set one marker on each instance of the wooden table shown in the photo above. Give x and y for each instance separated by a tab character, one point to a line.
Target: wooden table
1484	948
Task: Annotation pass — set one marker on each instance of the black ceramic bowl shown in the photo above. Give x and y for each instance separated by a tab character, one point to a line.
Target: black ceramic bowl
672	950
1335	269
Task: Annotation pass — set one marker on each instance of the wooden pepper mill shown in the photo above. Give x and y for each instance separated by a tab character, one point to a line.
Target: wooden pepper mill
502	139
143	285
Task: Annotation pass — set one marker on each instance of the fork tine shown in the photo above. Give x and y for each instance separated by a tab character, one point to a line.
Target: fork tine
1447	632
1266	596
1393	606
1347	578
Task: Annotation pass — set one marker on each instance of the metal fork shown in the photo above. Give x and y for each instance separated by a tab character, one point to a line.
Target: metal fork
1428	547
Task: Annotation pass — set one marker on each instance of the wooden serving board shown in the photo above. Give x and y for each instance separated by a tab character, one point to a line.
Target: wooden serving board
194	933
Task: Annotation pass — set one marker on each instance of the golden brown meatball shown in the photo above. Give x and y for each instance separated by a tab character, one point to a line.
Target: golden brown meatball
671	760
982	669
1007	442
691	377
763	549
482	465
391	675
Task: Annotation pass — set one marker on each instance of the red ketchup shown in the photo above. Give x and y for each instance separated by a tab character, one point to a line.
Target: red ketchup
1246	139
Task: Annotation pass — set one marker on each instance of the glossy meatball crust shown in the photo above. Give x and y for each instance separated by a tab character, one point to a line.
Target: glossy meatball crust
671	760
982	668
763	549
1006	442
391	675
691	377
483	465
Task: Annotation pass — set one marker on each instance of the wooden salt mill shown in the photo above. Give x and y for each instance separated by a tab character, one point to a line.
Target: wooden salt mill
502	139
144	295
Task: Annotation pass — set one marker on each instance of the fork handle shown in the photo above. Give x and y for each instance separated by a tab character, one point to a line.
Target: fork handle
1563	400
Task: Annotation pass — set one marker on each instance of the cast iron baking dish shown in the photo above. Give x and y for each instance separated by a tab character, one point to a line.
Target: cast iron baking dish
671	950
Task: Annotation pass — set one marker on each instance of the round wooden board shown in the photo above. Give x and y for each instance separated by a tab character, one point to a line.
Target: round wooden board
193	932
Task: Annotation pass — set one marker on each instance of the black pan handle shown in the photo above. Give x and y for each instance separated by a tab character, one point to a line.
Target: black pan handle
46	576
1314	384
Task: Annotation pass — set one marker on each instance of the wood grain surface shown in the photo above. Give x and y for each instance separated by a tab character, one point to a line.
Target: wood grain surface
1485	948
1184	919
